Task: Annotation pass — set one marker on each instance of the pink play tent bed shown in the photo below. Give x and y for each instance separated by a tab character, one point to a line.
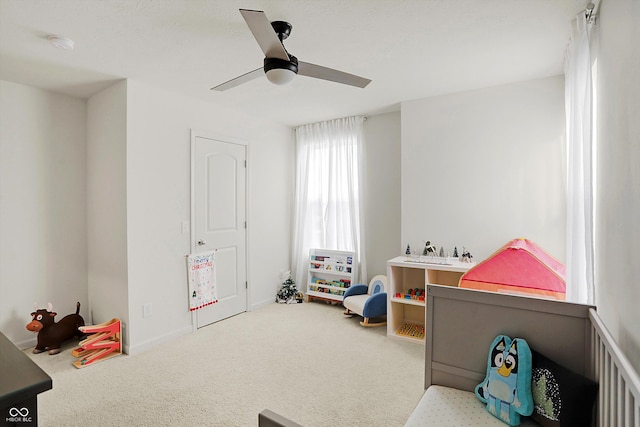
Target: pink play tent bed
518	267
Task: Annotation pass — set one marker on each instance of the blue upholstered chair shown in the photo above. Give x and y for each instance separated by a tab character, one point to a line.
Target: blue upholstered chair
367	301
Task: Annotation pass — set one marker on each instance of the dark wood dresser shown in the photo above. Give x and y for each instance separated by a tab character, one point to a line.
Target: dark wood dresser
21	380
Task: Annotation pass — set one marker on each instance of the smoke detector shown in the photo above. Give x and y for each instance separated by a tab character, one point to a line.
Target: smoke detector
61	42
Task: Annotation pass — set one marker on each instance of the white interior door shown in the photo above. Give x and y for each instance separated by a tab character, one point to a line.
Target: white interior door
219	215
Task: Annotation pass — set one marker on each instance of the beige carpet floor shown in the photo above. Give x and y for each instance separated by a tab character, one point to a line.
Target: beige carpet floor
306	361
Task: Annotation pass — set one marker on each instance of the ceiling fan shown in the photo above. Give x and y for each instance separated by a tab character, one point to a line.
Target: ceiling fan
279	66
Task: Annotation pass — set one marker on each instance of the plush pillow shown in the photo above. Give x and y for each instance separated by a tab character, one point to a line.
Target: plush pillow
561	397
507	387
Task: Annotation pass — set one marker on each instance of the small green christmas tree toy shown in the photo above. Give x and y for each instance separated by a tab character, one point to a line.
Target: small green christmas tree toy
288	291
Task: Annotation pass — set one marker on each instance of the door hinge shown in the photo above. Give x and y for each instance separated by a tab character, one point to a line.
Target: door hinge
245	164
246	285
245	225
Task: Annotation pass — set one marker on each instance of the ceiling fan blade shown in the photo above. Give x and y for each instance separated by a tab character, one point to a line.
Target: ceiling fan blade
324	73
264	34
240	80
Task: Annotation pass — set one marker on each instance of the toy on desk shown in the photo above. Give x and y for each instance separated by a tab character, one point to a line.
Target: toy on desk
52	334
466	255
104	342
411	330
415	294
429	249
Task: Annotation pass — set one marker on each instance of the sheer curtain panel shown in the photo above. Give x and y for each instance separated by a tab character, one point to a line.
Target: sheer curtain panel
328	212
579	123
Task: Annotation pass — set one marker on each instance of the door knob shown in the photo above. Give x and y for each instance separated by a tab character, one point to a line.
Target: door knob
201	242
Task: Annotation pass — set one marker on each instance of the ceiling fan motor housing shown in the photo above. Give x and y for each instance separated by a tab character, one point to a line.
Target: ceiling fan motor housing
282	29
281	64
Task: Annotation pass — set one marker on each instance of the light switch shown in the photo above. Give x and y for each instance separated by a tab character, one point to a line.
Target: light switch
147	310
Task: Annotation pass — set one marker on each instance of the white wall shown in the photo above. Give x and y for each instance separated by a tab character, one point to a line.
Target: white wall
107	278
381	191
158	201
42	206
481	168
114	171
618	174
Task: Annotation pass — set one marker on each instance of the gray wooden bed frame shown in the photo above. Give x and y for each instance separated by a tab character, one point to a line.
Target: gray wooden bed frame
460	320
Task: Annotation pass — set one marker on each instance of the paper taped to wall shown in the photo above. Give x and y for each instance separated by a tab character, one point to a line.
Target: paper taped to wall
202	280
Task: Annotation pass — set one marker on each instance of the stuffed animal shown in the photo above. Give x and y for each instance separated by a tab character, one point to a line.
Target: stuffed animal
51	335
507	387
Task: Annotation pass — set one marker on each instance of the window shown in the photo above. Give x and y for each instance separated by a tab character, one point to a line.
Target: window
328	199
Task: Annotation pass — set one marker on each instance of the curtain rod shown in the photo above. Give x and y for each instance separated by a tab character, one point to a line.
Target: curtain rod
364	118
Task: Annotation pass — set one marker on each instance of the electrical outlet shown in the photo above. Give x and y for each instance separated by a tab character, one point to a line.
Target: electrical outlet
147	310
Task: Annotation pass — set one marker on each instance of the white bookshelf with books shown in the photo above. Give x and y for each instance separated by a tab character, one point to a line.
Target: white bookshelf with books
331	273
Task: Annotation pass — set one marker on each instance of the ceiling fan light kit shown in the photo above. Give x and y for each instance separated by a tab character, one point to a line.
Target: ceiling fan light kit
279	76
279	66
279	71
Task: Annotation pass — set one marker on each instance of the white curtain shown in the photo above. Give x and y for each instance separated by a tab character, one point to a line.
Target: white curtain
580	132
328	211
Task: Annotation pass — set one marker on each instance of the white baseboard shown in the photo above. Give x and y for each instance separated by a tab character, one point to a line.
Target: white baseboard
261	304
23	345
147	345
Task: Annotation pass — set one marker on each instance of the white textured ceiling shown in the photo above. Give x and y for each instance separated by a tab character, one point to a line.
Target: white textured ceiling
411	49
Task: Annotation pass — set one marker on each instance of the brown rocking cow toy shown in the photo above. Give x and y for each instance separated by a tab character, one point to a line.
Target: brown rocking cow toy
51	335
